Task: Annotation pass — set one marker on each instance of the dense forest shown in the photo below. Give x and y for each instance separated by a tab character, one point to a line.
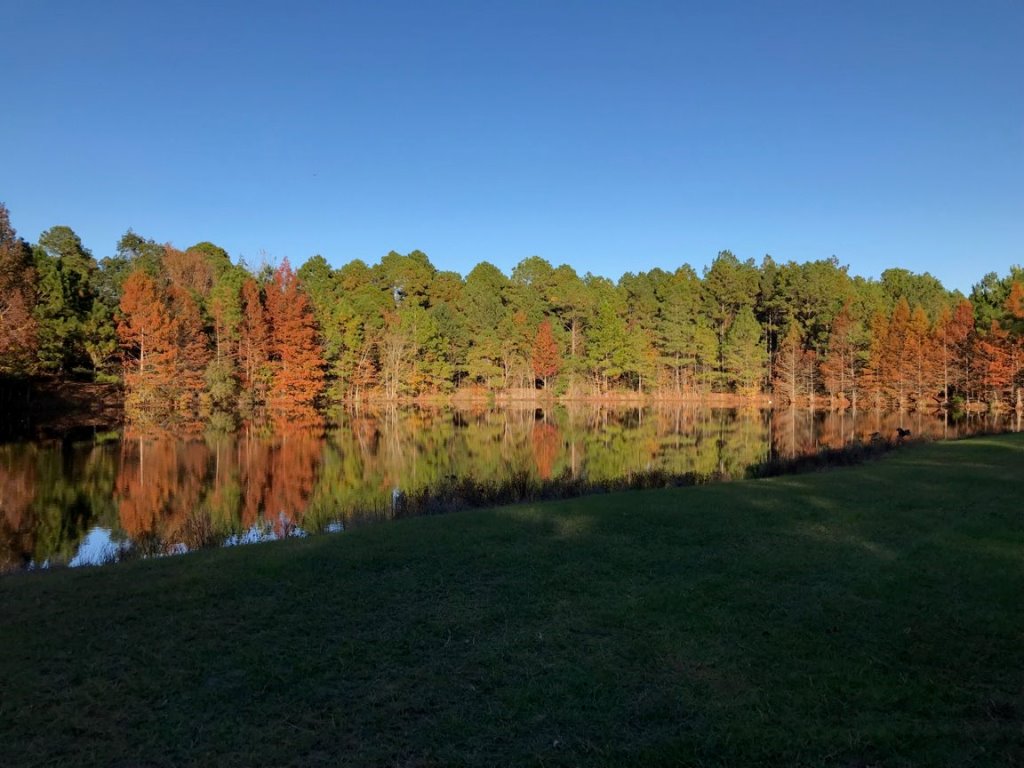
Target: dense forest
198	339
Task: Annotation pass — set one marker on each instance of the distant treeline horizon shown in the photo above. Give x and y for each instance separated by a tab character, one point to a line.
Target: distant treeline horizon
198	339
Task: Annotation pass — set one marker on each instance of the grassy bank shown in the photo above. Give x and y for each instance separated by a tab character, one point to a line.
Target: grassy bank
866	616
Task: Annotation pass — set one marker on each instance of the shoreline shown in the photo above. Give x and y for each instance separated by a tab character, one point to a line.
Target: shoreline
48	408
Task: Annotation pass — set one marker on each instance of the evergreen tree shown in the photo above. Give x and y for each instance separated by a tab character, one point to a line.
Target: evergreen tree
485	312
66	324
730	285
743	355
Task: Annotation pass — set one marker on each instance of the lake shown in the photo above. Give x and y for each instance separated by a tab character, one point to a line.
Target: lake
99	500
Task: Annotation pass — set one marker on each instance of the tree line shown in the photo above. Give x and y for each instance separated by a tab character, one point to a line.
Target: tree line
196	338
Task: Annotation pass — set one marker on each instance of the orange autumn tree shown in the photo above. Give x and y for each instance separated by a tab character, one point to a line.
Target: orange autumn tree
1015	301
919	356
895	352
877	368
545	358
841	366
193	353
165	352
996	363
18	287
147	334
253	352
296	358
955	340
793	363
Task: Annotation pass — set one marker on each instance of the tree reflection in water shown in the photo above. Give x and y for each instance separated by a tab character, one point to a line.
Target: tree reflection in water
158	495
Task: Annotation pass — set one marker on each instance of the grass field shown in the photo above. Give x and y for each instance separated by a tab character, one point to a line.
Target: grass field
871	616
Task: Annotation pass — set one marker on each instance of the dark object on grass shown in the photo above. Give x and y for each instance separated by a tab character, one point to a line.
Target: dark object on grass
901	433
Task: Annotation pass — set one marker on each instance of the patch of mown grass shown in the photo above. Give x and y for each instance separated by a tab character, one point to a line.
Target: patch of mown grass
867	616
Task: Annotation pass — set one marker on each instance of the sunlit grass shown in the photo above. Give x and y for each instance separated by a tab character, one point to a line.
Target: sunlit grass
865	616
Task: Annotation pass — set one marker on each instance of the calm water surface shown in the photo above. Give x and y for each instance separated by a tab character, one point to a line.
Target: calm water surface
87	503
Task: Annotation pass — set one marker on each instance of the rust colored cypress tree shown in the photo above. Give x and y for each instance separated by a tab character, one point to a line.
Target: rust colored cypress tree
148	338
189	270
17	299
1015	301
193	352
166	351
956	339
792	361
841	367
996	363
918	356
253	352
545	359
296	357
896	352
877	369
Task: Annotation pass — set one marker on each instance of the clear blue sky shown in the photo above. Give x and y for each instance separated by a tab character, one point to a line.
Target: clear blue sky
609	136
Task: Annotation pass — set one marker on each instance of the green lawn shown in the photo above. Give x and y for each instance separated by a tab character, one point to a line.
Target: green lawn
865	616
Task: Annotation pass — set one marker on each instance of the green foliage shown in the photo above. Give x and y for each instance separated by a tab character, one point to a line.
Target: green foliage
744	358
919	290
73	333
610	353
812	295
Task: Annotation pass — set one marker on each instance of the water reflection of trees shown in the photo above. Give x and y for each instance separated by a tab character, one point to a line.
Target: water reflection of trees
50	495
163	493
179	493
172	493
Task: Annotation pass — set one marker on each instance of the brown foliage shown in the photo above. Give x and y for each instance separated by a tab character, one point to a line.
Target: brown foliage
546	360
956	339
793	368
839	369
254	350
996	362
165	352
295	354
17	298
1015	301
147	336
189	270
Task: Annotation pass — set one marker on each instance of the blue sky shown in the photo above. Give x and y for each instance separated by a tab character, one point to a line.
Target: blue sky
610	136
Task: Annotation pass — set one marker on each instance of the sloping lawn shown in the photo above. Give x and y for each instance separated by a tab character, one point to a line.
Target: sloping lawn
859	617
